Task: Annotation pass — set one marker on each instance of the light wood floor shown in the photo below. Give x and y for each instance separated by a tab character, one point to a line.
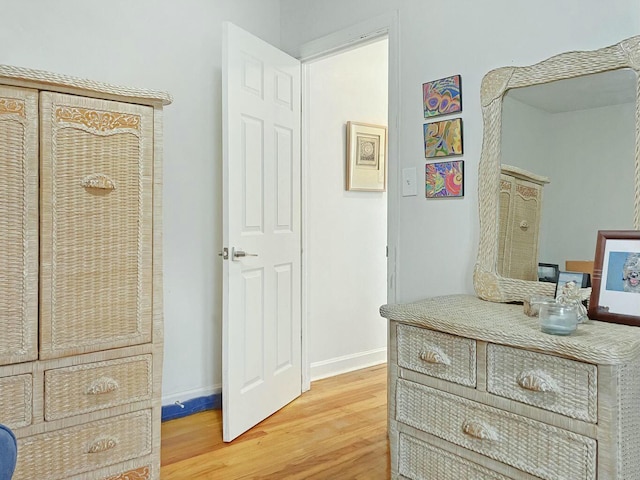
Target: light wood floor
336	431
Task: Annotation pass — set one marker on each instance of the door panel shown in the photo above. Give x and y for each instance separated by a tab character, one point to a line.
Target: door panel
261	225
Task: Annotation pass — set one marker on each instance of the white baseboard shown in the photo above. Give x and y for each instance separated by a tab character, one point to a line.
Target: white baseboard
347	363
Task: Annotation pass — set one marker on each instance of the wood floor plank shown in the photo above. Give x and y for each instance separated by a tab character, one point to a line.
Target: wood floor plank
337	430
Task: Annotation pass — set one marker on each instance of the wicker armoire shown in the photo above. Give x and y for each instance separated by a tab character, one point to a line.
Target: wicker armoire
80	276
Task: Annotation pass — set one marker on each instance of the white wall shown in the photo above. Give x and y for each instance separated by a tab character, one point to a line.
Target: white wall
175	47
437	242
347	231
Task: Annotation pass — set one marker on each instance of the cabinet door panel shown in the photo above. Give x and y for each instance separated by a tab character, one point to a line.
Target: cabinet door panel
18	225
96	225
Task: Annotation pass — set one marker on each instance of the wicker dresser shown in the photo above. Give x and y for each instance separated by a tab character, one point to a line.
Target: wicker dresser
477	391
81	276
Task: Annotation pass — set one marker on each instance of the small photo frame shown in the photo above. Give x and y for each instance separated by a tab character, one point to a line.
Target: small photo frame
443	96
615	295
443	138
444	179
366	157
582	280
548	272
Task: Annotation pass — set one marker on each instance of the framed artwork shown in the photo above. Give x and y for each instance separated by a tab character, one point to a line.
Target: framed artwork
615	294
548	272
443	138
582	280
444	179
366	157
442	96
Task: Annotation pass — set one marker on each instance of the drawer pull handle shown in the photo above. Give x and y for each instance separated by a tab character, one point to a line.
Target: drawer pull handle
102	385
537	382
98	180
479	430
434	355
103	444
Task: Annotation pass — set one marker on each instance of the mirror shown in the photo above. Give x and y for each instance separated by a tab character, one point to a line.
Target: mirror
573	119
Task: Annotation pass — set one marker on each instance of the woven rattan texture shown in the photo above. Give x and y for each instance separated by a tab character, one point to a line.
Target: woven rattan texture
95	386
534	447
98	240
39	76
468	316
421	461
572	389
628	437
488	284
16	395
18	224
84	448
437	354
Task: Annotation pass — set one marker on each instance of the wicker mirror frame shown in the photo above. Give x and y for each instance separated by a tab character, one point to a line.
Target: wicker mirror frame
488	283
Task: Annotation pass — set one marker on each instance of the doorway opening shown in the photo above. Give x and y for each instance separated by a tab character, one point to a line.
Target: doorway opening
345	232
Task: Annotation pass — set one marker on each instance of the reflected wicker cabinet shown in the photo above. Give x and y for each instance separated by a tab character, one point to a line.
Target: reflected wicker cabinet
477	391
81	284
520	206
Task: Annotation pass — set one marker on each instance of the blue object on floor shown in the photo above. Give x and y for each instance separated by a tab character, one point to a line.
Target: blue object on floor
8	453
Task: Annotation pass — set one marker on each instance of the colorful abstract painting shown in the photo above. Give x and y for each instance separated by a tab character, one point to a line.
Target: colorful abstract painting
445	179
443	138
442	96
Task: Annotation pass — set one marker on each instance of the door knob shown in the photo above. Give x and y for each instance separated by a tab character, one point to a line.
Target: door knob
241	254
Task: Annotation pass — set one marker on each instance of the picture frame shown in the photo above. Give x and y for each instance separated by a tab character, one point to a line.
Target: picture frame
443	138
582	280
444	179
548	272
442	96
366	157
615	293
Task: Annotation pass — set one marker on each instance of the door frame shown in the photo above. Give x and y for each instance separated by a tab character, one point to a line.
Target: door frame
355	36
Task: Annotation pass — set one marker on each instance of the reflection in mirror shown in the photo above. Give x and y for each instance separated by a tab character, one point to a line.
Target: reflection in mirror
573	119
580	134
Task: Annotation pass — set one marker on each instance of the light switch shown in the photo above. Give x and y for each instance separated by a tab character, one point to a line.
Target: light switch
409	182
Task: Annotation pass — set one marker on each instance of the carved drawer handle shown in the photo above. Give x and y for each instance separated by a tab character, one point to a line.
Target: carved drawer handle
98	180
102	385
434	355
479	430
537	381
103	444
524	225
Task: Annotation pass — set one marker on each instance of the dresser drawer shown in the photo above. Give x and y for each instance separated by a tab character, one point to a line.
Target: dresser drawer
437	354
75	450
95	386
534	447
553	383
421	461
16	394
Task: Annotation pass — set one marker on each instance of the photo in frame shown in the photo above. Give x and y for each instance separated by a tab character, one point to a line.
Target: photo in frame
444	179
582	280
443	96
366	157
443	138
615	293
548	272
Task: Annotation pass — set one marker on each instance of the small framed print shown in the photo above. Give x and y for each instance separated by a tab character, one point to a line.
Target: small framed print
444	179
366	157
441	97
582	280
443	138
548	272
615	294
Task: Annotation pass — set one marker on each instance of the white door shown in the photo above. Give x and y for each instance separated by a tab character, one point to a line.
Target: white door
261	346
